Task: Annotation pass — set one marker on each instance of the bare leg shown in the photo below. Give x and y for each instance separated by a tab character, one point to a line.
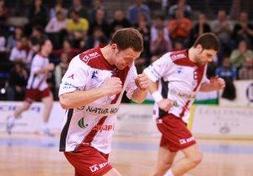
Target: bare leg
192	158
24	107
112	172
48	104
11	119
164	162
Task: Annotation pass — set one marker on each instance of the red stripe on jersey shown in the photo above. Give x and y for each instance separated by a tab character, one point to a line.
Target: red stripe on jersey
122	74
181	58
199	75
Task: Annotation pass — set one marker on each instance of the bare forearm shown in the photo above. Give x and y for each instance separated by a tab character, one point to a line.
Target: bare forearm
206	87
139	95
80	98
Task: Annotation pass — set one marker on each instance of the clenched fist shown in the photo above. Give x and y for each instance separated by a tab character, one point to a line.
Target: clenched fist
142	82
166	104
217	83
112	86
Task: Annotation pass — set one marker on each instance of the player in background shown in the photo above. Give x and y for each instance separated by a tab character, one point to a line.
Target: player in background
91	92
176	78
37	87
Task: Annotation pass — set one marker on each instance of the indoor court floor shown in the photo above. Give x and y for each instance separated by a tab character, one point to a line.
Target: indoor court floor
36	155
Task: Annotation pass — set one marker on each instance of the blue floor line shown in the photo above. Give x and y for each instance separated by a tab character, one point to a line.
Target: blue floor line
54	143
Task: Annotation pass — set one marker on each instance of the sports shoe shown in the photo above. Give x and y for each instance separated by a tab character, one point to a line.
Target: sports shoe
10	123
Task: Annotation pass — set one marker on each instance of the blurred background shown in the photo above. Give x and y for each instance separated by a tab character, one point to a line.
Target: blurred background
222	121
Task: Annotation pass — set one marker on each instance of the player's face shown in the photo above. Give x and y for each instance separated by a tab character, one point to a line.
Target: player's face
48	47
124	58
204	56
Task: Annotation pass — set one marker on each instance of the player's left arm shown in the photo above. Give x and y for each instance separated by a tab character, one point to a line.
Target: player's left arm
215	83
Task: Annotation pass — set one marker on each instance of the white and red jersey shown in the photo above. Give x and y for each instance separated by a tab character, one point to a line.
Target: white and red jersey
92	124
179	80
38	81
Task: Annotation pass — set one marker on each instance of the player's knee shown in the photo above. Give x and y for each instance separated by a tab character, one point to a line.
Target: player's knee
196	158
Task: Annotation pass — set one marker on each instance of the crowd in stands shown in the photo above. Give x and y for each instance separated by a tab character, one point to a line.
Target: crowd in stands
76	26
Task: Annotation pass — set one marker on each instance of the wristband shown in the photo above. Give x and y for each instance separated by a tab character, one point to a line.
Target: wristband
157	96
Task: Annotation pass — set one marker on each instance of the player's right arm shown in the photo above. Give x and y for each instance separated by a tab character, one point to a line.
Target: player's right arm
155	72
71	93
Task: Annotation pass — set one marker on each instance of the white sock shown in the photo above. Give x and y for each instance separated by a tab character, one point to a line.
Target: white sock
45	126
169	173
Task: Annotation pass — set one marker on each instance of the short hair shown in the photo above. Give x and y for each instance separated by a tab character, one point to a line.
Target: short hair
128	38
208	41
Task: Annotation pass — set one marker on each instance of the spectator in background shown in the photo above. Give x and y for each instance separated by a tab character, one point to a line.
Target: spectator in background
100	22
67	48
229	73
119	21
181	5
199	28
3	14
97	39
58	7
33	49
243	30
159	46
157	25
143	27
56	29
77	27
38	15
180	27
18	53
136	9
246	72
78	7
17	35
17	82
222	27
37	32
2	41
239	55
60	70
57	23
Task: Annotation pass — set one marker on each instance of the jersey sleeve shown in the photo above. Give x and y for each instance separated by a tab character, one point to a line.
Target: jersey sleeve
159	68
131	86
75	77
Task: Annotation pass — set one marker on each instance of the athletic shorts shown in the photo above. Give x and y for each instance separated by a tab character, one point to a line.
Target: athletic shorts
36	94
175	134
88	161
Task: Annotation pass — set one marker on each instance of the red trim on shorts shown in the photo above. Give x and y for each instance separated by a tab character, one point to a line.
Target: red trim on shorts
175	135
88	161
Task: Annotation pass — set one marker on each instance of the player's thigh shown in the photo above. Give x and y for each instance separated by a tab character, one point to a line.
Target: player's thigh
165	158
112	172
193	153
48	100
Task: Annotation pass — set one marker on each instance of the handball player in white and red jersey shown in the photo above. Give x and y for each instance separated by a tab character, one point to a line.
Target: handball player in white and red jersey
176	78
37	88
91	92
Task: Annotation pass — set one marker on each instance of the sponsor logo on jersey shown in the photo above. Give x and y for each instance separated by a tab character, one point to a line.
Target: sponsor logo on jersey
86	57
175	56
82	124
94	74
101	111
71	76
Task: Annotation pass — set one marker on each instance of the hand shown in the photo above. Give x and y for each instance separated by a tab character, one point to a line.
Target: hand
217	83
142	82
50	67
112	86
166	104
